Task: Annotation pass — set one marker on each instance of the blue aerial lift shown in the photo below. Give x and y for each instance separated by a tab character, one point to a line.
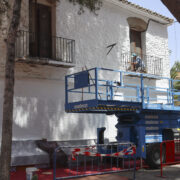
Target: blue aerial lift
146	114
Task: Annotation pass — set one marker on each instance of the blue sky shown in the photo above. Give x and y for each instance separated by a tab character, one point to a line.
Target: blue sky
173	30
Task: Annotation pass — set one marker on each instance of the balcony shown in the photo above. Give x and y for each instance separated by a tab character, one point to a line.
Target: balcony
55	51
142	63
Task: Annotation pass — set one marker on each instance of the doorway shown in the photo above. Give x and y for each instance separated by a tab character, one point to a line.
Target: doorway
40	30
135	40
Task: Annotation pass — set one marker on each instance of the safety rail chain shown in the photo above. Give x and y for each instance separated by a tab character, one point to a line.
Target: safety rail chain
169	153
88	160
107	84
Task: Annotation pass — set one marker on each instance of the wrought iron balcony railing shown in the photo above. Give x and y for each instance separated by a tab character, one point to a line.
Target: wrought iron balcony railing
29	45
142	63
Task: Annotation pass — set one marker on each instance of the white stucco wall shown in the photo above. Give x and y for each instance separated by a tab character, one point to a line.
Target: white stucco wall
39	113
157	44
39	90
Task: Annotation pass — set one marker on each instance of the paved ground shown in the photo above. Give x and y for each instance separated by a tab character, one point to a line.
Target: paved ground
171	173
105	177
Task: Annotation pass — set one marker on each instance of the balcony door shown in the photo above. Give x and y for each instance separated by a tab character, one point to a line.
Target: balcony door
135	40
40	30
44	30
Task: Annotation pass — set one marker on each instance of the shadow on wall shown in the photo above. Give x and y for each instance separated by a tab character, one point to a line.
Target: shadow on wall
157	30
39	113
157	41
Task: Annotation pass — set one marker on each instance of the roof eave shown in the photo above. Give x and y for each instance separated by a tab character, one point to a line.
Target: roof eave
161	20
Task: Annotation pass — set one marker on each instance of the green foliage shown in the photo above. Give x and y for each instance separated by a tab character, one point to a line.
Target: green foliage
174	72
92	5
175	69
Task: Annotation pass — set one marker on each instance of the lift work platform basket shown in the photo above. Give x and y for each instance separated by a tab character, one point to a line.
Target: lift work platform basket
101	90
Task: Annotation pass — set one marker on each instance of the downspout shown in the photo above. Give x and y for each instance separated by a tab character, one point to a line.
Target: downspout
155	22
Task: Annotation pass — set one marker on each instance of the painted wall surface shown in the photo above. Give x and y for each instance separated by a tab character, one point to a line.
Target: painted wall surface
39	90
39	113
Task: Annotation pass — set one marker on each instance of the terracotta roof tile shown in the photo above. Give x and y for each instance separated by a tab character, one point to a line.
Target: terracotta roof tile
147	10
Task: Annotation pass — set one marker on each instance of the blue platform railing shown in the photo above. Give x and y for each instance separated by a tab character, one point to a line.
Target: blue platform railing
115	85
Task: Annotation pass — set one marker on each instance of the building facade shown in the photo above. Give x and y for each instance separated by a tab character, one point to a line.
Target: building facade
54	40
